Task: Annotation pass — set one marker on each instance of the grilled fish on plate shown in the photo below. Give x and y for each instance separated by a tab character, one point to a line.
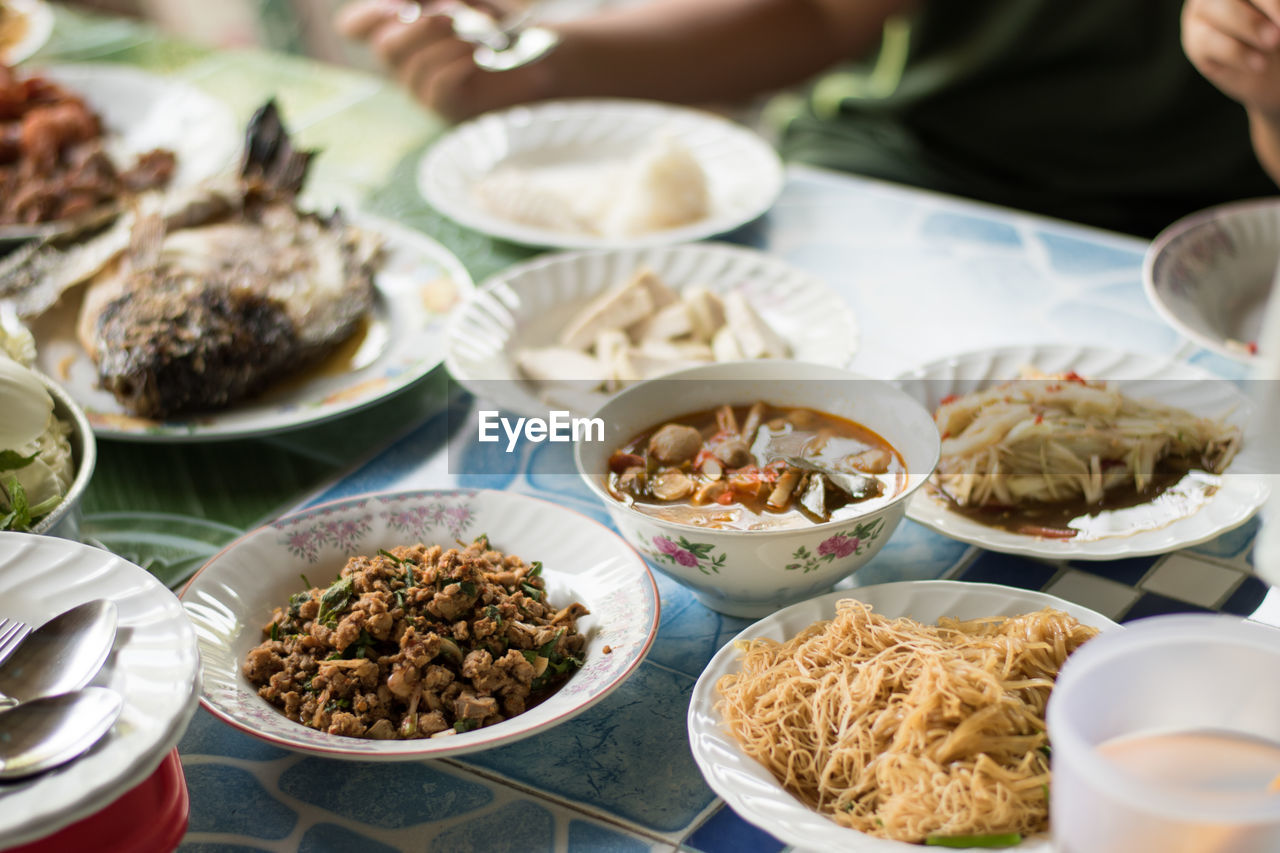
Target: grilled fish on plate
194	302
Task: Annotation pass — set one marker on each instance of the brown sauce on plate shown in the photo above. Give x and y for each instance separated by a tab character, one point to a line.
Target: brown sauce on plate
1178	489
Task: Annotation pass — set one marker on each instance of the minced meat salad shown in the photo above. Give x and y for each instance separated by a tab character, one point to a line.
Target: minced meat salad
418	641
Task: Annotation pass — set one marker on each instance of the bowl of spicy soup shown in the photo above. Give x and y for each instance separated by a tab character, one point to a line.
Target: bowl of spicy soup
757	485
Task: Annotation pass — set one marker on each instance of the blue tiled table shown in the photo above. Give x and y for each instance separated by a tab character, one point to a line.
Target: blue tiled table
927	276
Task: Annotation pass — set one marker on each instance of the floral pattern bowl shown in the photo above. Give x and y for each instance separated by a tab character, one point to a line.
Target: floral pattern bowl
232	597
752	573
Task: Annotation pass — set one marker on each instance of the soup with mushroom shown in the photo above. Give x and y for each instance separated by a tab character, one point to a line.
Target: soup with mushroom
756	467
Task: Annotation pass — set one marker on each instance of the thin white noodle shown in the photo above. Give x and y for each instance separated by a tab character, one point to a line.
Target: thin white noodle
903	730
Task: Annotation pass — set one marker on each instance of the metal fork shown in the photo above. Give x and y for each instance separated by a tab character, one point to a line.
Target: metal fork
12	632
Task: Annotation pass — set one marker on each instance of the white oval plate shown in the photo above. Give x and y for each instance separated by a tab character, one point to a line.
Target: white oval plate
1209	274
233	596
1242	489
38	28
154	667
528	304
141	111
744	174
751	790
418	283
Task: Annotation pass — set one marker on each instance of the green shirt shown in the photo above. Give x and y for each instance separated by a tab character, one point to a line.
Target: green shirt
1081	109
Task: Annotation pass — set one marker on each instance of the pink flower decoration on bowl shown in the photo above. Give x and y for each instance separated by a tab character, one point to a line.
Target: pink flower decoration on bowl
838	546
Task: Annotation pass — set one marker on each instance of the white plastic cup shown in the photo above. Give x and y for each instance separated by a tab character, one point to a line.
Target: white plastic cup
1164	674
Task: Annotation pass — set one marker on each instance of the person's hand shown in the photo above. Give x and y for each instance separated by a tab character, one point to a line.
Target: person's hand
1236	45
437	68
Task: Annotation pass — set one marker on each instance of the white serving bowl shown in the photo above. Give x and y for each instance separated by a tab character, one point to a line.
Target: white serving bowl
528	304
1209	274
64	520
748	786
233	596
754	572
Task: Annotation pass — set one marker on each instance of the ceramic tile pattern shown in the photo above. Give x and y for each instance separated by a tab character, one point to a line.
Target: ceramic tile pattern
927	275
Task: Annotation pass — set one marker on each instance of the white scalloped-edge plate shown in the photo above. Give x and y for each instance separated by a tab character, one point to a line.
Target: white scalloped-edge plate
141	111
37	28
744	174
1242	488
751	790
418	283
1209	274
233	596
154	667
528	304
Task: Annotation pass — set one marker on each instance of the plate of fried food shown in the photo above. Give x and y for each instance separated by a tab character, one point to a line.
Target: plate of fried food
25	25
594	173
85	139
226	309
1065	452
411	625
880	718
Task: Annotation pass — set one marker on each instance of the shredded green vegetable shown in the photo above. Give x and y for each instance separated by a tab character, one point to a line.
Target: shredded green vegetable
1006	839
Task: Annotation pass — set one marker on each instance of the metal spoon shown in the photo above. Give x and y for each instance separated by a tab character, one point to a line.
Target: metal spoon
42	734
500	45
62	655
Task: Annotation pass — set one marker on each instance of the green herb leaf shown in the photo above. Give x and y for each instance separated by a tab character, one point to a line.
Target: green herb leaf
466	724
532	591
359	648
484	538
548	647
530	655
468	588
392	557
1006	839
275	631
19	517
12	460
335	598
493	613
306	582
536	570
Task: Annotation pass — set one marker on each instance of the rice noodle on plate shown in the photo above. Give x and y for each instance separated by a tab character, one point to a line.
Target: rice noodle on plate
903	730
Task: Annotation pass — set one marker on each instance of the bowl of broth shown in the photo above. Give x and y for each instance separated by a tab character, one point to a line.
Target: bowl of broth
757	485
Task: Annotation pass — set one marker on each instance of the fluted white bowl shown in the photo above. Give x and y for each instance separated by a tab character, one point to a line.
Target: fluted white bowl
233	596
528	304
1241	489
751	790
